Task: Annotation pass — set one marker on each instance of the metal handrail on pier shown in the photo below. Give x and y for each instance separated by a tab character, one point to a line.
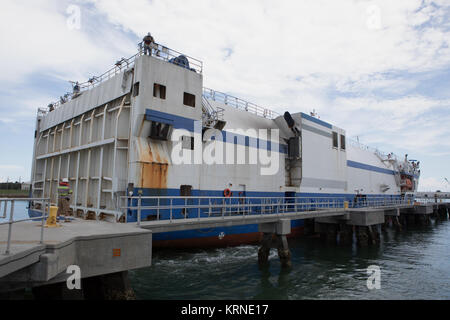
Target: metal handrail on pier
45	204
176	208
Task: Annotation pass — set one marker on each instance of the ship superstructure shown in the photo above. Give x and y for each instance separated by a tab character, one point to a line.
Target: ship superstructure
116	137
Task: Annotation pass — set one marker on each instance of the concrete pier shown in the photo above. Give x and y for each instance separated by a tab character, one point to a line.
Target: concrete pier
97	248
364	222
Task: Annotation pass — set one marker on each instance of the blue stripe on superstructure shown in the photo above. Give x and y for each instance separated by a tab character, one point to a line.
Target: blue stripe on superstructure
315	120
368	167
228	137
177	121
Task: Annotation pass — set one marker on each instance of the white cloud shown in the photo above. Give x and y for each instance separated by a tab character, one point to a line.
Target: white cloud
36	38
290	55
433	184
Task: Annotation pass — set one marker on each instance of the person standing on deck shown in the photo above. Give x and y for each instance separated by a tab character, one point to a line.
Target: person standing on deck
64	193
76	89
148	44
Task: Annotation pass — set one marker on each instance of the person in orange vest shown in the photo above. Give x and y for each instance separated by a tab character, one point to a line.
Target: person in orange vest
64	193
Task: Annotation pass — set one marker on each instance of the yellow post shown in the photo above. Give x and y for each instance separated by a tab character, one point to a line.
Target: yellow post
51	220
345	205
409	202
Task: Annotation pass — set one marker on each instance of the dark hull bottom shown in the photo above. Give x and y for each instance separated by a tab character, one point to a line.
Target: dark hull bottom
216	242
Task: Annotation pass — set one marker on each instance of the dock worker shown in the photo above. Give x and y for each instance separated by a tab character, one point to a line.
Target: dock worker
64	193
51	107
148	44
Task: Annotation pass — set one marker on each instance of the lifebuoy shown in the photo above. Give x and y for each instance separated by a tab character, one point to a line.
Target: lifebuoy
227	193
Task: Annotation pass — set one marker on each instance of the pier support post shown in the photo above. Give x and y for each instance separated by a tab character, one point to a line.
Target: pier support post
331	233
264	251
387	223
397	224
345	234
309	227
410	219
442	212
115	286
362	237
283	251
422	219
280	230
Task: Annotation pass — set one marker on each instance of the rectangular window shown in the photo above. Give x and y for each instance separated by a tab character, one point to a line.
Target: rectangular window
189	100
159	91
188	142
342	142
185	191
335	140
136	89
160	131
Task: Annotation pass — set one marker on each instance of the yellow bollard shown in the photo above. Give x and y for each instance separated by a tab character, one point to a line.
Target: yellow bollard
51	220
346	205
409	202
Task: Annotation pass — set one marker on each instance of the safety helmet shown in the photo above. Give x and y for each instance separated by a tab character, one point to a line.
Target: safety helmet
149	34
65	180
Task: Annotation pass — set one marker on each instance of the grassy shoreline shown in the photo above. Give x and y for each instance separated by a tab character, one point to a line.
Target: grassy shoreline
14	193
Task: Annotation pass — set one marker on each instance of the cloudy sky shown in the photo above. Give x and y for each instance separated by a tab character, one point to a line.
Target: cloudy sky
379	69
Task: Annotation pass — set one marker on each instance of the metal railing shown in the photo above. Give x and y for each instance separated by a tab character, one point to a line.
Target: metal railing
239	103
158	51
399	165
211	115
45	205
175	208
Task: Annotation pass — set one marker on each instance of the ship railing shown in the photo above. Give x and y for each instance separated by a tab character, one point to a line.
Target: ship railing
211	115
158	51
239	103
9	204
172	56
175	208
382	155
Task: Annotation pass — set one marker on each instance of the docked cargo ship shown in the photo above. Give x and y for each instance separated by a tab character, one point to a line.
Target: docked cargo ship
121	134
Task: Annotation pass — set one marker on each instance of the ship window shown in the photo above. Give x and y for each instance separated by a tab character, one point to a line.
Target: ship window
342	142
136	89
335	140
160	131
189	100
188	142
185	191
159	91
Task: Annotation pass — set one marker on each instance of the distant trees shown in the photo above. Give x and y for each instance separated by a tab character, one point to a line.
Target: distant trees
10	186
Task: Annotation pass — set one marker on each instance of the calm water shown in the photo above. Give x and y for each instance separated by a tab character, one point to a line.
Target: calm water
414	264
20	211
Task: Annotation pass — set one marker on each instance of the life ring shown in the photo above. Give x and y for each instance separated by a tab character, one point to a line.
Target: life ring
227	193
